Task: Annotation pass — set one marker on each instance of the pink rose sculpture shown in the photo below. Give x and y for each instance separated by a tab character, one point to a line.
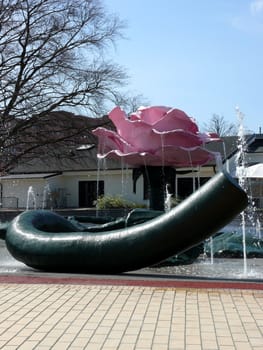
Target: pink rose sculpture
155	136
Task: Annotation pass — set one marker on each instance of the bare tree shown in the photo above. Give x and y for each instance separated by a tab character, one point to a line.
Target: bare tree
129	102
219	125
52	56
52	142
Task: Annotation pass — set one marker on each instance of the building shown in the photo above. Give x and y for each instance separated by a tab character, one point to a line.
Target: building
69	175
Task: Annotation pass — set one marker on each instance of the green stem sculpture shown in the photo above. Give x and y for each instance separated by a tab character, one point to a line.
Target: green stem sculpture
47	241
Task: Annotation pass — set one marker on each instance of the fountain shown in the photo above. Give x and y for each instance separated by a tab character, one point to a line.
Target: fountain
240	241
31	198
258	229
168	199
46	196
157	141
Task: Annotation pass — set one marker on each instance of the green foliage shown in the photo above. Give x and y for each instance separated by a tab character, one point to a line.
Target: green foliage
116	202
175	201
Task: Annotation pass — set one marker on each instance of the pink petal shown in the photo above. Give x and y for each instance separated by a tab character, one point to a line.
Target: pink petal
136	133
157	136
210	137
131	131
134	159
176	119
141	138
179	138
168	156
109	140
119	119
180	157
150	115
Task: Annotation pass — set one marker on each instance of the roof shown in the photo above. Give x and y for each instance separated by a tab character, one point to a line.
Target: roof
80	152
257	145
229	145
28	176
75	160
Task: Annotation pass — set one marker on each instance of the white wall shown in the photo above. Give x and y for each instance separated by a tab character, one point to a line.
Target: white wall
16	191
115	183
122	185
66	187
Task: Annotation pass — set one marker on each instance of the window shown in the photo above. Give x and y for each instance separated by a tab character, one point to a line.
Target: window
89	191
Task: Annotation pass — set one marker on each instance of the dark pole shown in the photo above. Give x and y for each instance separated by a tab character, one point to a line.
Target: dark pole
158	177
155	176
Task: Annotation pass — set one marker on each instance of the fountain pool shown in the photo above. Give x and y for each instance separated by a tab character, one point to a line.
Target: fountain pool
223	269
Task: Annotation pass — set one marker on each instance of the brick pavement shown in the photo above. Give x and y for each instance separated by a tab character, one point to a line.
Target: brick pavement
76	317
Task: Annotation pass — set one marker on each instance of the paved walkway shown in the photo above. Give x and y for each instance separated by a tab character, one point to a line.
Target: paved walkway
89	316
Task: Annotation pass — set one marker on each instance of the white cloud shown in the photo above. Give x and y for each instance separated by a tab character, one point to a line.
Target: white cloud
256	7
249	20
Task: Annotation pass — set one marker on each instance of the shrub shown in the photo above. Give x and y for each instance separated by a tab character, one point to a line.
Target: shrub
116	202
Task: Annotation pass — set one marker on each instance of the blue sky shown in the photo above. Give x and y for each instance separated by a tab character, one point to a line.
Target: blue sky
201	56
